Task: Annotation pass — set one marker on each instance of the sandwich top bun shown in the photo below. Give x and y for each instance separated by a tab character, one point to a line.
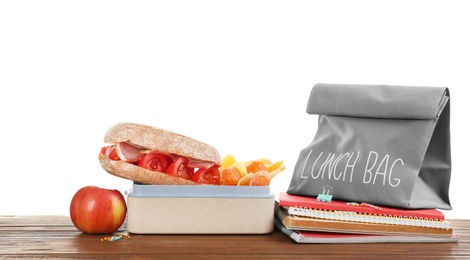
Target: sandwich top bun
155	138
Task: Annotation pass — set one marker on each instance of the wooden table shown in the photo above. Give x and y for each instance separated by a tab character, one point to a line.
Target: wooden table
55	237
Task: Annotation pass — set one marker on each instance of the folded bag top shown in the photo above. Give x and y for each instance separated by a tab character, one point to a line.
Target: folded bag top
388	145
377	101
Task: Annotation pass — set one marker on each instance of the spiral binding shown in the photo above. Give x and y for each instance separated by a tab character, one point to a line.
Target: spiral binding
368	218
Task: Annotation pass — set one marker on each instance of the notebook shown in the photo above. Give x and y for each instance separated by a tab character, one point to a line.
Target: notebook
303	206
336	238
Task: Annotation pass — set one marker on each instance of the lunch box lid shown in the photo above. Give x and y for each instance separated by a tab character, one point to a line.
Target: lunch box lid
199	191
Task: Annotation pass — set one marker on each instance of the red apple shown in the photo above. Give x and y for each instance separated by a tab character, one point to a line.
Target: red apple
95	210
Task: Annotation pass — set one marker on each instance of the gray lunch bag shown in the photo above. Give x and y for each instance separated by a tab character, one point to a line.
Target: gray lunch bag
384	145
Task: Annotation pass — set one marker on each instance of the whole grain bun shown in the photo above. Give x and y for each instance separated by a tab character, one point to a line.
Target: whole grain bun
155	138
138	174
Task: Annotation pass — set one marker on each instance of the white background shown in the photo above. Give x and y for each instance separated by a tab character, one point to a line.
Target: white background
234	74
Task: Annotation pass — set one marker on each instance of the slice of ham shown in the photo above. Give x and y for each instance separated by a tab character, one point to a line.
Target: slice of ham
193	163
128	152
132	153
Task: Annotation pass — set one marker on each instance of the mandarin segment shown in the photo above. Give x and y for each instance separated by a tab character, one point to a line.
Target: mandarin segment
256	166
230	176
260	178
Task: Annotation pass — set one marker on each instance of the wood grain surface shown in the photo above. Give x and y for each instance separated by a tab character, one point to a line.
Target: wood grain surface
38	237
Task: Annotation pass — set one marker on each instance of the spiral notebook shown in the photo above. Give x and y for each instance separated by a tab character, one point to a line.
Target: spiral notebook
302	224
302	206
315	237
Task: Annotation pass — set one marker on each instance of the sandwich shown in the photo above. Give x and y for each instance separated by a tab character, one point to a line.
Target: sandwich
151	155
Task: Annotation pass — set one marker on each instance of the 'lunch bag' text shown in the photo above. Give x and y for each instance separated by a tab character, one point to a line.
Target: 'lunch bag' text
342	167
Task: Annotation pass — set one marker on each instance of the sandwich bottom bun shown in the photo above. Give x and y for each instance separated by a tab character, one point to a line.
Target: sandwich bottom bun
138	174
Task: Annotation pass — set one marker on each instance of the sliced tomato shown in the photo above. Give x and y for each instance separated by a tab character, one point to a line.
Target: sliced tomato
111	152
155	162
128	152
106	149
207	176
180	168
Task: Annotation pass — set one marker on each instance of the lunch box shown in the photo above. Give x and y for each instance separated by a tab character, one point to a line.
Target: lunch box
199	209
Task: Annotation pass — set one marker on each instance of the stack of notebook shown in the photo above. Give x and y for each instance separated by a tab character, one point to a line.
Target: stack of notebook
306	220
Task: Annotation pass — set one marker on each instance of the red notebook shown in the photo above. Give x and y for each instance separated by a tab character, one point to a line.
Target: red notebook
288	200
